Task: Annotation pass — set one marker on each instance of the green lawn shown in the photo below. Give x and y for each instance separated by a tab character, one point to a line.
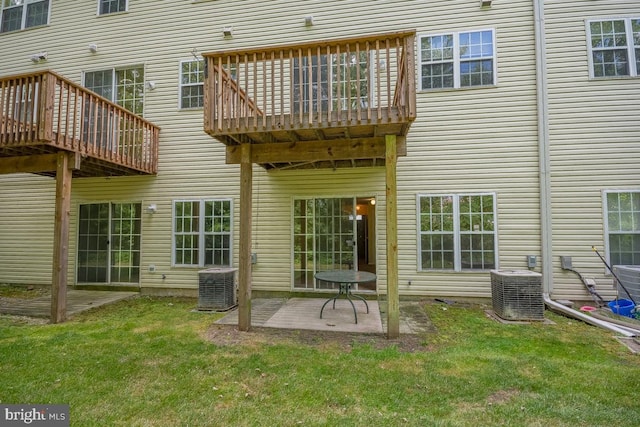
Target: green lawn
146	362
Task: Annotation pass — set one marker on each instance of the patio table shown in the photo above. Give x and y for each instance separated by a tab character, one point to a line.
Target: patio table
344	279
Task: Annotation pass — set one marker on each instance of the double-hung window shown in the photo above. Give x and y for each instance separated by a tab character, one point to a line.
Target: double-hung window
192	84
106	7
622	210
202	233
21	14
614	47
458	60
457	232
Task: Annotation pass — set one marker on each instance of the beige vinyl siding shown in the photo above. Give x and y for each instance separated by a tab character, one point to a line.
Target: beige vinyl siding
477	141
26	229
473	140
594	130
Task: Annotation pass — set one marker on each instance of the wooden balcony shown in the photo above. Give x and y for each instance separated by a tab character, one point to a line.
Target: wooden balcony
43	113
324	104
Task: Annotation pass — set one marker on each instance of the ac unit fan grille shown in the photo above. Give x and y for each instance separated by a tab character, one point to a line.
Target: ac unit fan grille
216	289
517	295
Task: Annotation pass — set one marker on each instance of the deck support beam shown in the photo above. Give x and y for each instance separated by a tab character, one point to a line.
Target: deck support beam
393	299
244	274
65	164
29	164
314	151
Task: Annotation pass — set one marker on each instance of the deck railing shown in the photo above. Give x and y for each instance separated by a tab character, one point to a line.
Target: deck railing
44	108
344	82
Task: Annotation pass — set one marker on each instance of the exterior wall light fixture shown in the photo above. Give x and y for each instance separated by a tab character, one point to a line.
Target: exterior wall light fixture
39	57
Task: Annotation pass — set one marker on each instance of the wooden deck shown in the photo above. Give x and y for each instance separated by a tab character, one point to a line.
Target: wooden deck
42	114
77	302
313	105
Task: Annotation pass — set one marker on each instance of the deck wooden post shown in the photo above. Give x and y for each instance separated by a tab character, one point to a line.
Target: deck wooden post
47	105
244	273
61	239
393	299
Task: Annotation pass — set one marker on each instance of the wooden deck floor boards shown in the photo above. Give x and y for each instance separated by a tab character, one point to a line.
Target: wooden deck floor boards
77	301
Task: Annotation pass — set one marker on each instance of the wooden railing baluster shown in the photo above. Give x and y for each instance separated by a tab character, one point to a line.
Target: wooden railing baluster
282	88
310	85
3	119
58	122
379	79
388	55
399	81
329	91
347	89
319	88
358	88
273	83
264	89
255	88
338	84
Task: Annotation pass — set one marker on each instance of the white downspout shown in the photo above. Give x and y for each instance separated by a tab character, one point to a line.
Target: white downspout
544	162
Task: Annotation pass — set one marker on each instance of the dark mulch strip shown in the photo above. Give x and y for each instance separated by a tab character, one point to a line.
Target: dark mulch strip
229	335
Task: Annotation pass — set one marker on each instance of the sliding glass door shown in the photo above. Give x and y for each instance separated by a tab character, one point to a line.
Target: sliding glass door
109	243
324	238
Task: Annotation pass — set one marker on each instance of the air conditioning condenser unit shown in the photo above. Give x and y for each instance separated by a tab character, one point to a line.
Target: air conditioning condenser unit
517	294
629	275
217	289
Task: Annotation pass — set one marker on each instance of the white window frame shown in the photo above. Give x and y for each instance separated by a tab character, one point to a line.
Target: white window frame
630	47
608	232
457	251
201	231
330	67
24	6
457	60
182	85
126	9
114	83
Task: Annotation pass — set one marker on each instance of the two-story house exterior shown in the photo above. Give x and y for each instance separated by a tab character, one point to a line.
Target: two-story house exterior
515	127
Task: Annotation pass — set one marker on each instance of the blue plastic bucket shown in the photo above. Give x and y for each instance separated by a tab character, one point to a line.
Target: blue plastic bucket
623	307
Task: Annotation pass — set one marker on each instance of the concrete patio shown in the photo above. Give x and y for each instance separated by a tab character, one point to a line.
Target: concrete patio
304	313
